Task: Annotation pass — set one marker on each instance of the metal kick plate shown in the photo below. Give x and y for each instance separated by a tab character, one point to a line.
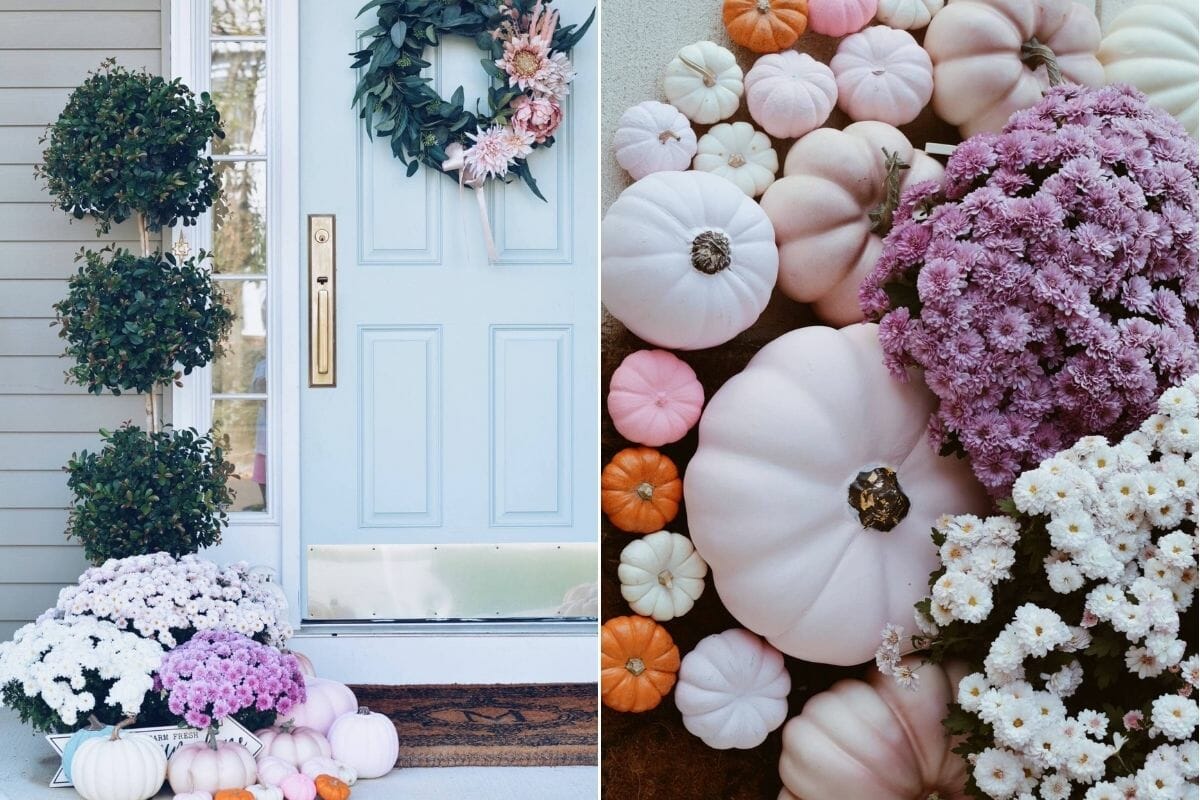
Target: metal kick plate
322	294
452	581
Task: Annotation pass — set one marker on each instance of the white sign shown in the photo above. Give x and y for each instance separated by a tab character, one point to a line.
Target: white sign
170	737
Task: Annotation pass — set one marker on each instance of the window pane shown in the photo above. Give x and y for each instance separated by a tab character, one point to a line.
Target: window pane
242	368
238	18
241	426
239	88
239	233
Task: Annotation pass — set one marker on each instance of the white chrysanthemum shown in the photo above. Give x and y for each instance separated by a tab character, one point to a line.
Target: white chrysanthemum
1180	436
1174	716
1094	723
925	624
1105	600
964	529
1191	670
1055	787
1065	681
1071	531
992	563
1158	781
1063	576
1002	530
971	690
1178	402
1178	549
1105	791
998	773
1165	647
1030	492
1097	561
971	599
1086	764
1142	663
1004	657
1015	722
955	555
1038	629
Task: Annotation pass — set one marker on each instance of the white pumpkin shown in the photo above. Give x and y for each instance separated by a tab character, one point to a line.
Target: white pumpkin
261	792
813	490
790	93
907	15
366	742
687	260
882	74
206	767
325	701
738	153
661	575
653	137
120	766
272	770
292	744
321	765
582	600
704	81
732	690
1153	45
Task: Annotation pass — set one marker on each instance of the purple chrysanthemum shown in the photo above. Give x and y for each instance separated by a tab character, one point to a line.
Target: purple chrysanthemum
1048	287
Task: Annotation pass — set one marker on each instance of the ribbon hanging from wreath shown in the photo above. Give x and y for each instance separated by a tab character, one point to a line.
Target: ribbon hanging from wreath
526	49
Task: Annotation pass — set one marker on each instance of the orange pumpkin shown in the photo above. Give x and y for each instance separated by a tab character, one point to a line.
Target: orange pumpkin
331	788
765	26
233	794
640	490
638	663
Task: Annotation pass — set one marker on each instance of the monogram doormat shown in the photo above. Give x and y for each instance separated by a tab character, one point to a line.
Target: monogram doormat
522	725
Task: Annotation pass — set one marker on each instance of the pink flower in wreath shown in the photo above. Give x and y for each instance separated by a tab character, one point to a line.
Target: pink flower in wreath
494	150
537	116
528	60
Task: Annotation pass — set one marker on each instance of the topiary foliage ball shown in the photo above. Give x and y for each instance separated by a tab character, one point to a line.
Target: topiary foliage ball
131	322
148	492
130	142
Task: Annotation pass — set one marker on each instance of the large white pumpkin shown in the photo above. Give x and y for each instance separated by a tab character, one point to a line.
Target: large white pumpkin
200	767
1154	45
119	767
687	260
365	741
875	740
661	575
813	491
732	690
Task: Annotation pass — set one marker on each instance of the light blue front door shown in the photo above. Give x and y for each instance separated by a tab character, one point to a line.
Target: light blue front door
465	404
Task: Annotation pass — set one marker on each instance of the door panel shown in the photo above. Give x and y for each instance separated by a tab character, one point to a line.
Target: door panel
465	390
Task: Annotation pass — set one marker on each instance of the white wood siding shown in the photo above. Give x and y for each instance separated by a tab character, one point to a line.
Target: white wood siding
47	47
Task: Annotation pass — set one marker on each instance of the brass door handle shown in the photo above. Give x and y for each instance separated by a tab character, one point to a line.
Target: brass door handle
322	345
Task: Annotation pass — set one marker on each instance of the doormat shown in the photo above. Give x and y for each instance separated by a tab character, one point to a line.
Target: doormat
504	725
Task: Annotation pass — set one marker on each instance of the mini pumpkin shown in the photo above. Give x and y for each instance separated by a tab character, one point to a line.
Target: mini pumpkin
209	767
325	701
765	26
994	57
272	770
840	17
661	575
908	15
119	766
704	81
331	788
638	663
316	767
738	153
261	792
654	398
653	137
640	490
732	690
874	740
790	93
233	794
298	787
832	208
882	74
291	743
687	260
365	741
814	481
1155	46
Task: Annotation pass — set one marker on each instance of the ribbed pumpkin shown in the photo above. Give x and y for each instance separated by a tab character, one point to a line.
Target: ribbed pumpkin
640	490
654	398
765	26
638	663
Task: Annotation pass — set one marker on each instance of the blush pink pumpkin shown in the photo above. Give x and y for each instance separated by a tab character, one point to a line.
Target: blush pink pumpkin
295	745
272	770
790	93
326	701
654	398
882	74
814	482
298	787
874	740
840	17
199	767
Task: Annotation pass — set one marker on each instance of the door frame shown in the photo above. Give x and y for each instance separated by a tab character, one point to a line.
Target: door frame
482	652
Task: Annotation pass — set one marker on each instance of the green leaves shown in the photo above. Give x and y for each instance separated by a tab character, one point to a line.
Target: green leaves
147	492
131	323
129	143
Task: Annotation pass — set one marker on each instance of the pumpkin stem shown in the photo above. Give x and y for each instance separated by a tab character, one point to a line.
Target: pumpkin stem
210	737
737	160
667	134
881	215
877	497
645	490
1036	54
666	579
116	732
710	252
635	666
710	77
94	724
363	711
763	6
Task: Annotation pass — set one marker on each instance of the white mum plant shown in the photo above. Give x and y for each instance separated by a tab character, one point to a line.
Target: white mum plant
1078	610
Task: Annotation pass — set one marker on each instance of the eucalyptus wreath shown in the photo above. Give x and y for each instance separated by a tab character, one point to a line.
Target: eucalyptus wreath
525	49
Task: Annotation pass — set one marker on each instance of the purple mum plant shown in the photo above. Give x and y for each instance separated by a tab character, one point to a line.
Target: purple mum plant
217	674
1048	286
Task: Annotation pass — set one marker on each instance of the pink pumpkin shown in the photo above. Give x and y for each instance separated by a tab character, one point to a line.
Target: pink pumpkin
294	745
326	701
272	770
654	398
306	665
840	17
298	787
874	740
790	93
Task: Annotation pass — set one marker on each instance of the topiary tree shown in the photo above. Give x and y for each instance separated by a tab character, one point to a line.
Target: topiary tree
134	145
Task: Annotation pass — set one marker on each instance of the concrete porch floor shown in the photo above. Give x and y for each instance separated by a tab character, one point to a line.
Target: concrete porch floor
27	763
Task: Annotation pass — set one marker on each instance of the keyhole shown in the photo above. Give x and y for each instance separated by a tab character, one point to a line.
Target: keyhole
321	236
321	281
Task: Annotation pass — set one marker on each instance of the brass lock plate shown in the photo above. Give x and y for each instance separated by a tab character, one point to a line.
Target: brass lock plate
322	307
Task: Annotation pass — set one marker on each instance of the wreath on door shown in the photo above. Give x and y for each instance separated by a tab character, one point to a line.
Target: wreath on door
526	56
